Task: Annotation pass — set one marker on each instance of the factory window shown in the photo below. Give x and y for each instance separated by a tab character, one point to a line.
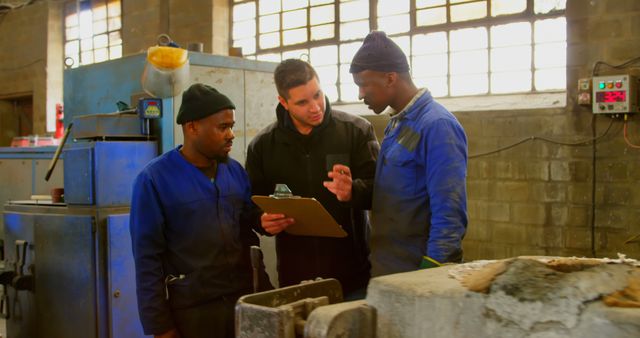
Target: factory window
455	47
92	31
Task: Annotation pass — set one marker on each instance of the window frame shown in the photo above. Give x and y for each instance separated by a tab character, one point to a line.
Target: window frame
527	15
110	49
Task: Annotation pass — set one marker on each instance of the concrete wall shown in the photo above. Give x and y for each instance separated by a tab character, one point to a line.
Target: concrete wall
31	54
541	198
204	21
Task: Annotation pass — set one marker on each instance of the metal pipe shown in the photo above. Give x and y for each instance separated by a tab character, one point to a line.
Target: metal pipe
256	259
52	165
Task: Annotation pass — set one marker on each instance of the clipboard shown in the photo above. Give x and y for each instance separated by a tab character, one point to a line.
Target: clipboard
312	219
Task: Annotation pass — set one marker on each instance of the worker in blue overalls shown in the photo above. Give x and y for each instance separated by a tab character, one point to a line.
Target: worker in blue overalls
191	218
419	210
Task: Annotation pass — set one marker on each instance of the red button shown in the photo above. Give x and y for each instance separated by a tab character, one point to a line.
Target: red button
618	84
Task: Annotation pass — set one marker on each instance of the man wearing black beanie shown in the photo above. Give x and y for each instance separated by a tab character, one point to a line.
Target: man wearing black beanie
419	212
191	219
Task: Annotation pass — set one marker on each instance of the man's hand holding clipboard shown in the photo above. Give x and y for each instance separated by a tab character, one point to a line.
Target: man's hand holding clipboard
275	223
297	216
305	216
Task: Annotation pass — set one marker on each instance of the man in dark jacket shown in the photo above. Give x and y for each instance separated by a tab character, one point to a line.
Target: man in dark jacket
190	226
321	153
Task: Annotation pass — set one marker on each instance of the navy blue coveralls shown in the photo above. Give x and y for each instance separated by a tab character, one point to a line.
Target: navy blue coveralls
191	240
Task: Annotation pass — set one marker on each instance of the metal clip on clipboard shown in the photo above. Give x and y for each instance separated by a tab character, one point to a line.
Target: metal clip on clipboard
282	191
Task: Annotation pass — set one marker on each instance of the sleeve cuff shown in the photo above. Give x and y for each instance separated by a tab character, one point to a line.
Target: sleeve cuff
428	262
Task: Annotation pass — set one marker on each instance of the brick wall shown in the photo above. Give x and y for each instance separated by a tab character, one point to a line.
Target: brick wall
536	199
30	65
32	44
204	21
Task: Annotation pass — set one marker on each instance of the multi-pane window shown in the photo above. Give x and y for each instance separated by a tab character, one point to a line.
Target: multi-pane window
92	31
455	47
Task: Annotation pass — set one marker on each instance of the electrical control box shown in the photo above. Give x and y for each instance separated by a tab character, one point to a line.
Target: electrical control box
615	94
584	91
150	108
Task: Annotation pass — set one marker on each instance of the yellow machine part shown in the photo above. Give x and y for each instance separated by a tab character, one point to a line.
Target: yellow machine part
167	57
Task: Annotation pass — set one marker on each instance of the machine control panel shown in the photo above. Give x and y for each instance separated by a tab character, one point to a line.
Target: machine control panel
150	108
615	94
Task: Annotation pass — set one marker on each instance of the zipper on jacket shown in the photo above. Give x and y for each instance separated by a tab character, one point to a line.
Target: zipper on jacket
310	181
307	157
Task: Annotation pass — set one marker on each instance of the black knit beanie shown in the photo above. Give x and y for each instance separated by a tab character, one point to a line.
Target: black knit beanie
379	53
200	101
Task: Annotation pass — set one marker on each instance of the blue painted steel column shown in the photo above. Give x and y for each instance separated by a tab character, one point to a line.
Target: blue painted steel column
167	125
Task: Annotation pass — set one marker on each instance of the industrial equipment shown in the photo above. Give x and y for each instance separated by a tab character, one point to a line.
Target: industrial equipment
311	309
149	109
71	273
615	94
79	251
166	72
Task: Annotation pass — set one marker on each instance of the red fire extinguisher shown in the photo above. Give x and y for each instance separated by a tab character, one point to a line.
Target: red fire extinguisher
59	121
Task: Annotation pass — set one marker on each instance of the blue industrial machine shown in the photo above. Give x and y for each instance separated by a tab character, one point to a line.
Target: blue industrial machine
68	268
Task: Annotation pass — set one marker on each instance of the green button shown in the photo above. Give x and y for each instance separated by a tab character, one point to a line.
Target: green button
601	85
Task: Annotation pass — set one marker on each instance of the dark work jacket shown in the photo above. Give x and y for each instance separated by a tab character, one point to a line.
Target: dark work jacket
280	154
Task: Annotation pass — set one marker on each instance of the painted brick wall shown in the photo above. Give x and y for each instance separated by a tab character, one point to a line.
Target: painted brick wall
537	198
